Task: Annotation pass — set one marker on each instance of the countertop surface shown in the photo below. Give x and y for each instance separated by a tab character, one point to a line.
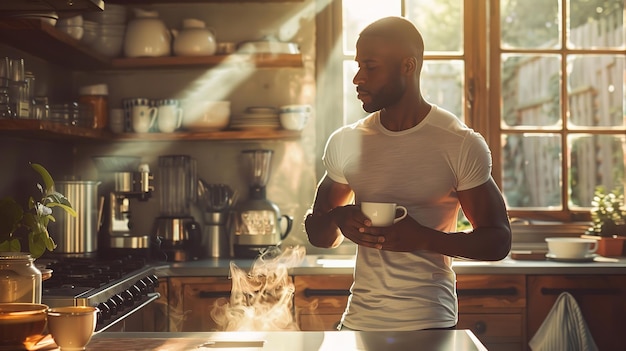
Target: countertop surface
432	340
344	264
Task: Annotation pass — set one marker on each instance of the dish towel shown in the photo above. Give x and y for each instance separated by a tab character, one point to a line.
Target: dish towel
563	329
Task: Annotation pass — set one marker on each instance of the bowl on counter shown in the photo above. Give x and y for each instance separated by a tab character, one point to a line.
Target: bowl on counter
571	248
21	325
206	116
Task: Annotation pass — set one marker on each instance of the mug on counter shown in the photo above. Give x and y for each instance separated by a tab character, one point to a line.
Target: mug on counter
169	115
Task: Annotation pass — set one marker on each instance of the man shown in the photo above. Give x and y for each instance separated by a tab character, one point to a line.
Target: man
418	155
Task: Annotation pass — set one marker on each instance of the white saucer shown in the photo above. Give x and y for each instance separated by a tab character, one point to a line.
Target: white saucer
588	258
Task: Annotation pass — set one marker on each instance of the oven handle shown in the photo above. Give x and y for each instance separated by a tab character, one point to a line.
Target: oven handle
127	312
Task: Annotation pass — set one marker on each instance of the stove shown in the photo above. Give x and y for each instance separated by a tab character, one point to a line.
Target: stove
118	286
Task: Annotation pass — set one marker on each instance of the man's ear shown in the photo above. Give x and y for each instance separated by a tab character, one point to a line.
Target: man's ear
409	65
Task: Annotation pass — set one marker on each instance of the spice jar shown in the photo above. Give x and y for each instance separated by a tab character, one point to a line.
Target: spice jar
97	97
20	279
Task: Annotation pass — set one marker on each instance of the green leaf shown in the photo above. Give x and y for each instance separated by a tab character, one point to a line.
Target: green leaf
10	216
12	245
43	172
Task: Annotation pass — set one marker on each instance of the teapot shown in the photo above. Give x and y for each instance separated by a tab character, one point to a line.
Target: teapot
194	39
147	36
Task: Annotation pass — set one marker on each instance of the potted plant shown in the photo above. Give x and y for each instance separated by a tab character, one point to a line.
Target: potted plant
29	226
608	217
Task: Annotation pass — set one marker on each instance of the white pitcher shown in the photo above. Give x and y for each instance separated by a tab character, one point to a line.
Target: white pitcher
194	39
147	36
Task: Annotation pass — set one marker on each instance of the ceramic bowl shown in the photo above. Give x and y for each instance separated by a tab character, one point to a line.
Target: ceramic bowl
571	248
206	116
21	325
109	46
293	120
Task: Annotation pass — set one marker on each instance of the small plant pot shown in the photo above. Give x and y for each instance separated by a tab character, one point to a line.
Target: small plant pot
608	246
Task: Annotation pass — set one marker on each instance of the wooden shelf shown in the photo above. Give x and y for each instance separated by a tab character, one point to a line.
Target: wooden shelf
45	130
51	5
258	60
45	41
152	2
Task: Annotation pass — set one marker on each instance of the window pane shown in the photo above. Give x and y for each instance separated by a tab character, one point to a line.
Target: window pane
529	23
442	84
357	14
596	96
595	160
440	23
531	170
352	110
596	23
531	90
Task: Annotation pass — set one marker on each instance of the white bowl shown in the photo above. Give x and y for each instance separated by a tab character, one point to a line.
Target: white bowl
70	21
206	115
109	46
89	36
571	248
293	120
75	32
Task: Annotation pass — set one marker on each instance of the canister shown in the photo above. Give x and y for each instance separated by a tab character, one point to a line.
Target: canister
20	279
97	97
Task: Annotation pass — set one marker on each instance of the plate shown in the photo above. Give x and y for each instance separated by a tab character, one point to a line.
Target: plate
588	258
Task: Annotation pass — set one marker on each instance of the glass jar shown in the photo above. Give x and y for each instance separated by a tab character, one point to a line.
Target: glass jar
20	279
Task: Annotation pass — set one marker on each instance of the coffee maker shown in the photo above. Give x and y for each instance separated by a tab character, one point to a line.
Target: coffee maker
257	224
123	179
177	231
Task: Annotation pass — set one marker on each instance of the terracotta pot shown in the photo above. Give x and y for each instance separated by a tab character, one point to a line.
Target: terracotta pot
609	246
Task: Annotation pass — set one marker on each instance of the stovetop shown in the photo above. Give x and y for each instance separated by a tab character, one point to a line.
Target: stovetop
115	285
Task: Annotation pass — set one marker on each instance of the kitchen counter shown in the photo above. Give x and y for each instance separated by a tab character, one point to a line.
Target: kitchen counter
289	341
344	264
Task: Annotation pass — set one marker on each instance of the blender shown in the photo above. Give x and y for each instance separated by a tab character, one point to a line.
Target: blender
175	228
257	224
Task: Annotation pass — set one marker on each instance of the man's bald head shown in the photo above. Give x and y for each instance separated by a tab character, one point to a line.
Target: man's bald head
397	30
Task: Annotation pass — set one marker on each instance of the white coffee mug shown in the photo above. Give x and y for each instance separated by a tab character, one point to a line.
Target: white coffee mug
143	118
169	116
383	214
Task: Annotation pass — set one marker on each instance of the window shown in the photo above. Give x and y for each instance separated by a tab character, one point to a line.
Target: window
542	80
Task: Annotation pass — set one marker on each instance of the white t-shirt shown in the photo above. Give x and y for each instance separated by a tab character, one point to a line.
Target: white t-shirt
421	168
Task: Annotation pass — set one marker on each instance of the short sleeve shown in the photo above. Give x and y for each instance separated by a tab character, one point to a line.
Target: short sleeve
475	162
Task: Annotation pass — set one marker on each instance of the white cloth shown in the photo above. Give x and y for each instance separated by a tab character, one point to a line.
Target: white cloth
564	329
421	168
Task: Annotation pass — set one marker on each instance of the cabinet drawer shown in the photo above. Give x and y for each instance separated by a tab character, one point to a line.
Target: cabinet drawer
193	299
318	322
499	291
320	300
493	325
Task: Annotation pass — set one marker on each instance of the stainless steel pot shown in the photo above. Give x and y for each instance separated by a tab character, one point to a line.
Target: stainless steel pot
76	235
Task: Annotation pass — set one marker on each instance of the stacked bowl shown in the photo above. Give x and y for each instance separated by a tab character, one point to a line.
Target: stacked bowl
110	28
73	26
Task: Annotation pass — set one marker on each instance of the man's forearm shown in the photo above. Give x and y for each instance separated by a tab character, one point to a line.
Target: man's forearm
322	230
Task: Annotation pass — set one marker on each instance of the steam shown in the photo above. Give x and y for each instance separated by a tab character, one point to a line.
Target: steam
261	299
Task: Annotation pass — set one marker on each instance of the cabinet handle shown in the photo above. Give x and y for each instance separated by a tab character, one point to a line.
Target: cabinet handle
581	291
213	294
326	292
493	291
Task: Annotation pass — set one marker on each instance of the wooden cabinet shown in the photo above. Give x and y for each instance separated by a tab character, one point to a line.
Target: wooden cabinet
601	298
192	299
320	300
493	308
